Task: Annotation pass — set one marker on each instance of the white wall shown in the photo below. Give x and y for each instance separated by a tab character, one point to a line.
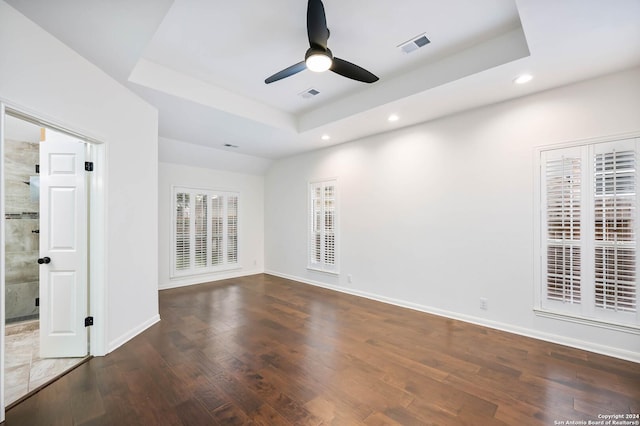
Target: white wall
437	215
42	76
251	218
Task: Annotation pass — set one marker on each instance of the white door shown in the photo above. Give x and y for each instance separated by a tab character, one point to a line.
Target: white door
63	247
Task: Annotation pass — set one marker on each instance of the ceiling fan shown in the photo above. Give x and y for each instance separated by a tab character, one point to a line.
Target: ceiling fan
318	57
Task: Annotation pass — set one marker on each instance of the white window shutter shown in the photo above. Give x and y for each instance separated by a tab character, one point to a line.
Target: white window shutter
200	231
323	226
182	231
232	229
563	184
589	231
206	231
216	230
330	224
615	184
315	220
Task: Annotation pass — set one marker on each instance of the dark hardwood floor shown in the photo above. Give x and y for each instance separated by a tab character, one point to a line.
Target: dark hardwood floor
264	350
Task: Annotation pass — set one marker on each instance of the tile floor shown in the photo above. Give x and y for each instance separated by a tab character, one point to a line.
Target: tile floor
24	369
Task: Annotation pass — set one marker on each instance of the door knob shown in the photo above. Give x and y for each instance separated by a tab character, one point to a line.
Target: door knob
44	260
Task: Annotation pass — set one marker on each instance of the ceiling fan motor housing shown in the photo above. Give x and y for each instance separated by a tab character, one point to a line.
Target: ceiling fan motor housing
318	51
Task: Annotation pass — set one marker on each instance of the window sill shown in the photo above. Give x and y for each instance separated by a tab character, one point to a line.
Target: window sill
209	271
336	273
625	328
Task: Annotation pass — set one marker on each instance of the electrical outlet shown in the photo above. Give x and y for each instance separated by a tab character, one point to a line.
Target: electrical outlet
484	303
349	279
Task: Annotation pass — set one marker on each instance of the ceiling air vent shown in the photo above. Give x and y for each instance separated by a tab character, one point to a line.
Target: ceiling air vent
414	44
309	93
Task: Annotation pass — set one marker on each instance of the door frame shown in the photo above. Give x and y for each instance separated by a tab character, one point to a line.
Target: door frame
97	250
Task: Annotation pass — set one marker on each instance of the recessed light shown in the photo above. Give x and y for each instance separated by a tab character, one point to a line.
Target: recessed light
524	78
326	137
393	117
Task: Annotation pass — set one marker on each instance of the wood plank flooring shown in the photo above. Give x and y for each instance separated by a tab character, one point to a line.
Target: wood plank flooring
267	351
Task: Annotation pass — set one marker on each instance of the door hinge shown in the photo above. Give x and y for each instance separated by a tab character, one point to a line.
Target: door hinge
88	321
88	166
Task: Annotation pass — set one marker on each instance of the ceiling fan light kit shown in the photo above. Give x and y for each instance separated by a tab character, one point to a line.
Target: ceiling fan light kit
319	58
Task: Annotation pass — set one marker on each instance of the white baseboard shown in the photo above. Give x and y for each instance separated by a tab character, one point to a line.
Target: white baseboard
547	337
116	343
207	278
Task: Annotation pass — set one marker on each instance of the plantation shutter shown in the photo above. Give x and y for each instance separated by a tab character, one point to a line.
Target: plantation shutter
217	228
589	231
329	225
323	226
563	182
232	229
200	230
615	227
205	231
182	232
315	239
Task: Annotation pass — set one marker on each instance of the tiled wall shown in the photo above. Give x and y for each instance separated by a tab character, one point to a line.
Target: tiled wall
22	244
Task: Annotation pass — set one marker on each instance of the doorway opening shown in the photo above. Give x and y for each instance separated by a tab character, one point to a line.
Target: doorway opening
46	273
25	370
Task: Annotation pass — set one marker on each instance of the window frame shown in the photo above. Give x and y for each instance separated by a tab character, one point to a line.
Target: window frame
312	264
585	312
228	263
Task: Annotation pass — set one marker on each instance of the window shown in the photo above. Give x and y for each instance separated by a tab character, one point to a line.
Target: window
323	226
588	197
205	231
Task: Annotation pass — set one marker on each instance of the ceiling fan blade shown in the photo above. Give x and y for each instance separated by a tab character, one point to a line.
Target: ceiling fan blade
352	71
287	72
317	24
